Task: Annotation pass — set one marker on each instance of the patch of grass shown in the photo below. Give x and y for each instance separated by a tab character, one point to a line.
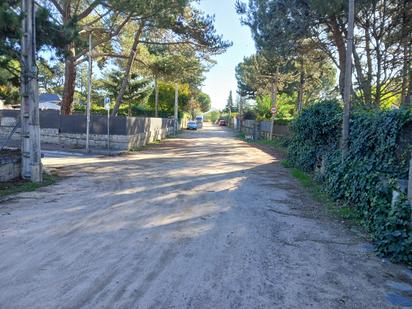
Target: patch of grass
275	143
337	210
303	178
241	135
307	181
19	185
286	163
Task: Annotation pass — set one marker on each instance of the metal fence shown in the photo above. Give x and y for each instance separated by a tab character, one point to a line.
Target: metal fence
262	129
76	124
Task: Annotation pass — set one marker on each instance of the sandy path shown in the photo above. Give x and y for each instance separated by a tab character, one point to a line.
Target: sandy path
202	221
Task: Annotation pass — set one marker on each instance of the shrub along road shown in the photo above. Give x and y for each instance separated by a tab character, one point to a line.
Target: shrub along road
200	221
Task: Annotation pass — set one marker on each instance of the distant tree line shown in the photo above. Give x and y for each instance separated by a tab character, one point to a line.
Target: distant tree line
140	48
301	44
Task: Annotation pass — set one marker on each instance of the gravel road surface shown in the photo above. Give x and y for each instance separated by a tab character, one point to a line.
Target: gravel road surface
200	221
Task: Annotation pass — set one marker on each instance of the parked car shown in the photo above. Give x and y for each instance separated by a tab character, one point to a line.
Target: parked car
192	125
222	123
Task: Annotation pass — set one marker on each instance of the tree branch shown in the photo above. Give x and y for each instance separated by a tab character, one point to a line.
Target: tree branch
171	43
100	16
87	11
112	34
99	55
58	7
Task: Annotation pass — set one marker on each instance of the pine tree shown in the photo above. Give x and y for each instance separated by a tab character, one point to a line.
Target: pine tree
229	105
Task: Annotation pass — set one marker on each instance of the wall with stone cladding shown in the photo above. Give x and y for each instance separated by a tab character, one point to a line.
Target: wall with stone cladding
10	165
130	132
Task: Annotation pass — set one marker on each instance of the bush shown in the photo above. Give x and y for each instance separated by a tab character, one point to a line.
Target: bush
370	173
249	115
314	133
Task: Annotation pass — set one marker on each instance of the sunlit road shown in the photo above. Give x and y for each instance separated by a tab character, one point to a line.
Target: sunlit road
201	221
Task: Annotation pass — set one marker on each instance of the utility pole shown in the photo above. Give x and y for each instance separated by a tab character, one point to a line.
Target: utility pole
176	108
348	80
89	93
30	118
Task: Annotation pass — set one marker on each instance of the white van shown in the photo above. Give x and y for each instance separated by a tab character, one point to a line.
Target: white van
199	121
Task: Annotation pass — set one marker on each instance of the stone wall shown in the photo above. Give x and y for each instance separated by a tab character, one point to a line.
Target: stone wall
126	132
10	165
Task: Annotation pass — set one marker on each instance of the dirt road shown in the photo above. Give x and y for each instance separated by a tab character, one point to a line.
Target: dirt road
201	221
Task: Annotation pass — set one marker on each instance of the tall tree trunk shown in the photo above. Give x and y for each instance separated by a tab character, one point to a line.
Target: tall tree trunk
69	81
405	76
378	75
406	94
130	61
368	60
192	108
337	36
408	99
366	88
380	55
301	85
274	89
156	98
348	80
69	68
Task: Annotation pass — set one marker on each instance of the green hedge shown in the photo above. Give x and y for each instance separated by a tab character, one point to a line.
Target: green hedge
371	171
315	133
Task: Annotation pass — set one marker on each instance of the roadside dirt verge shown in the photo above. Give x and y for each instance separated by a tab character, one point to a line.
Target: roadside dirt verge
201	221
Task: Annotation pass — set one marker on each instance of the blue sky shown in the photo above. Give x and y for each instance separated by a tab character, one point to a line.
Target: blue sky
221	78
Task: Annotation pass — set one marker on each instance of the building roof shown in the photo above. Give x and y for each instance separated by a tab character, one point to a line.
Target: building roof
49	97
49	106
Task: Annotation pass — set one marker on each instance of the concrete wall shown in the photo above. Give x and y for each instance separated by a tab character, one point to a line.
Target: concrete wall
10	166
125	132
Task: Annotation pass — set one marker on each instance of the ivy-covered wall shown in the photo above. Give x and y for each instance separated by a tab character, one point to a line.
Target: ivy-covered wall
376	165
